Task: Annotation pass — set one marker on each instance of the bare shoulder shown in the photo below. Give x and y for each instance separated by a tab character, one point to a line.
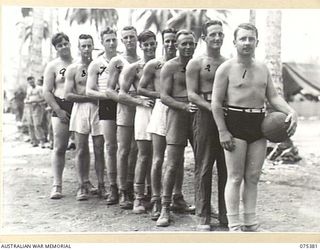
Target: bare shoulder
172	65
261	66
195	63
52	65
227	65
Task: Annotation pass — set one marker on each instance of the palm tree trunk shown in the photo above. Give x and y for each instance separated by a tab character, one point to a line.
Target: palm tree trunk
273	48
36	43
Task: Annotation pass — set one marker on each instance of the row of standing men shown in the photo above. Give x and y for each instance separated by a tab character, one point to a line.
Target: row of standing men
140	107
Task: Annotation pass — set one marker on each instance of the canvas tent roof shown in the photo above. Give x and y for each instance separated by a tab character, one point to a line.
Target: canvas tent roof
297	76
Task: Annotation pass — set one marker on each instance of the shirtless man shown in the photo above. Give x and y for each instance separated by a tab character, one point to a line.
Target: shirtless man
53	92
200	75
85	120
98	74
131	75
243	84
149	85
126	158
179	120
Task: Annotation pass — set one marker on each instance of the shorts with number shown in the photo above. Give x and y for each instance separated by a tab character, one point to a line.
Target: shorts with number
158	119
125	115
141	122
85	119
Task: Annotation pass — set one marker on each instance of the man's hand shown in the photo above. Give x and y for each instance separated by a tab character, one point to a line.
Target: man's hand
293	119
227	141
149	103
63	115
191	108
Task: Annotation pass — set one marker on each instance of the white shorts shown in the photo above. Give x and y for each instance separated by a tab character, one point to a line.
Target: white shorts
158	120
85	119
141	122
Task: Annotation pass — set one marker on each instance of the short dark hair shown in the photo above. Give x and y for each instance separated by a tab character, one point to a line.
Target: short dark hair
129	28
168	30
184	32
107	30
57	38
145	35
85	36
30	78
208	24
246	26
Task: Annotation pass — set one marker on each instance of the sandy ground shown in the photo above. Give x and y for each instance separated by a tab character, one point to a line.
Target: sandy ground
289	195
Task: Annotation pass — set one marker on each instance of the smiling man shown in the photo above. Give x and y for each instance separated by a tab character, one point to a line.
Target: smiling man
127	95
200	75
179	119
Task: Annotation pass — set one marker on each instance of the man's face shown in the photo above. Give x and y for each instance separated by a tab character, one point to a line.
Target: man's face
186	45
149	47
86	47
169	40
129	39
63	47
246	42
31	82
110	42
214	37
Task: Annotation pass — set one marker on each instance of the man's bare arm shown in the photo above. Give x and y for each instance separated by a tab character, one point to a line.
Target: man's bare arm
219	90
114	69
70	85
127	78
92	82
193	81
148	76
166	79
281	105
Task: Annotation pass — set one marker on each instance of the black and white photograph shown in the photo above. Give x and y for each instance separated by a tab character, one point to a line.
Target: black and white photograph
137	120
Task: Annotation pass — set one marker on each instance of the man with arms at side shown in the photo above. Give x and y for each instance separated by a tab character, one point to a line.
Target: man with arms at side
126	155
179	119
98	74
85	120
243	84
200	75
149	85
53	92
129	81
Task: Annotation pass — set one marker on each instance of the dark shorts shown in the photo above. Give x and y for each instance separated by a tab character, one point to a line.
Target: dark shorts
64	105
107	110
243	125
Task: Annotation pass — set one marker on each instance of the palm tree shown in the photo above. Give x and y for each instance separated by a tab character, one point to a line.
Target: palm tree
100	17
180	19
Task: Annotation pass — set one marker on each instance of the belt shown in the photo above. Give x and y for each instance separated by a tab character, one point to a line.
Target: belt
246	110
207	96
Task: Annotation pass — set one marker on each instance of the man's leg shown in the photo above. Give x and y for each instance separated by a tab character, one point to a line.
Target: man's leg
124	137
61	137
175	154
110	138
132	161
82	162
98	149
38	114
235	161
254	161
159	147
142	168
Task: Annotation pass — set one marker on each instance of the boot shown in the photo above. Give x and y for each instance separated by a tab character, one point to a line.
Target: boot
156	209
113	196
138	206
124	201
180	205
163	220
102	193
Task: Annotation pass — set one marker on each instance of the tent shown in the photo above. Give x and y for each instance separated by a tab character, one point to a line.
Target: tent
298	76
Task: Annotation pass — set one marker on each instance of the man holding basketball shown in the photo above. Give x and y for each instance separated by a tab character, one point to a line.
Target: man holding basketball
242	84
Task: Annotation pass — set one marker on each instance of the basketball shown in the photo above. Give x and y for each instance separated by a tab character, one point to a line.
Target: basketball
274	127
